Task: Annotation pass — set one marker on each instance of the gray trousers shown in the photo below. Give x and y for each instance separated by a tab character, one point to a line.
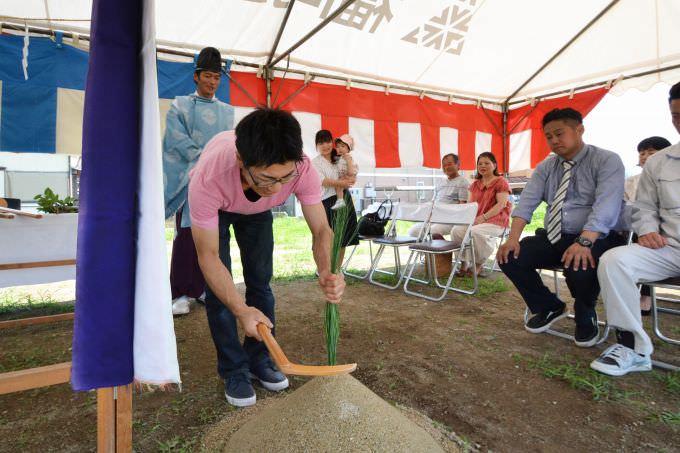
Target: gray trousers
619	272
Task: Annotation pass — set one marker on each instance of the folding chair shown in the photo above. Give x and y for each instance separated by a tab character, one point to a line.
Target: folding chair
669	283
408	212
373	207
494	267
454	215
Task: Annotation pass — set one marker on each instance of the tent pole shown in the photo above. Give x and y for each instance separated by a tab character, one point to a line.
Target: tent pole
522	118
506	150
565	47
268	81
298	91
488	117
280	32
305	38
599	84
242	88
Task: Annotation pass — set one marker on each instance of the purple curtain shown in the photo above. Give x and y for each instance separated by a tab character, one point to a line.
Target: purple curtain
105	282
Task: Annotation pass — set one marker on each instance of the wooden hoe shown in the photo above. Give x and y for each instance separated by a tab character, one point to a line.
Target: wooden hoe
289	368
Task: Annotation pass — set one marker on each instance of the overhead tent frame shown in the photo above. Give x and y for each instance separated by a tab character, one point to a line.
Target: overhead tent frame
267	71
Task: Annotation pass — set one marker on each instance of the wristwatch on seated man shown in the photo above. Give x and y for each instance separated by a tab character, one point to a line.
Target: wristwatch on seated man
584	242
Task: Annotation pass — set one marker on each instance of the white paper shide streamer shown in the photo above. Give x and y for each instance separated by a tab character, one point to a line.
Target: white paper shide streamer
24	52
155	348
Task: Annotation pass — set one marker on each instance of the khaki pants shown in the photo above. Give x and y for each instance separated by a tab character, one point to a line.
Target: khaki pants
484	236
619	271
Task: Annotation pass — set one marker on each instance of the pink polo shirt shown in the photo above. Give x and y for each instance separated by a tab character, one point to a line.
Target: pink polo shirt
486	199
215	185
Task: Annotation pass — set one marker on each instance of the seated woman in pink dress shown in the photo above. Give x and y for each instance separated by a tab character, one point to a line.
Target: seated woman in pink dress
491	192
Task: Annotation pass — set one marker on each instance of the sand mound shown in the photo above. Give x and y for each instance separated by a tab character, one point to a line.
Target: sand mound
332	414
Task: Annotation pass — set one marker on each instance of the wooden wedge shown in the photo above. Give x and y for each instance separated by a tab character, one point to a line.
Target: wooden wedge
289	368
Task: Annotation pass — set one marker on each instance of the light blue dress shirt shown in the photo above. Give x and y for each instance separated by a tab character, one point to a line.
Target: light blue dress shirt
594	199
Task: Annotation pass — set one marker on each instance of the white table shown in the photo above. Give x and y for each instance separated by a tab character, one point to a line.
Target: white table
29	240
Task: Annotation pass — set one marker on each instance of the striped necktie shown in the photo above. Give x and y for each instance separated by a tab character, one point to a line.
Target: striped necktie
555	215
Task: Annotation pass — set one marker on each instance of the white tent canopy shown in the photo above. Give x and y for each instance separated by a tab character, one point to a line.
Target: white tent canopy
481	49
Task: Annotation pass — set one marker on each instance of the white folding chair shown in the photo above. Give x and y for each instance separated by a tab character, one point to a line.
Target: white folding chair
404	212
454	215
673	284
493	266
373	207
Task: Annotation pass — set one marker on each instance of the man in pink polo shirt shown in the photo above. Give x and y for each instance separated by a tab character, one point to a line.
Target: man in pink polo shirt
240	176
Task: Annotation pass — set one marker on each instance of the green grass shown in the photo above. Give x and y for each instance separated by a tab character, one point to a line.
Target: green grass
604	388
177	445
667	417
600	387
31	359
670	380
15	305
293	258
537	219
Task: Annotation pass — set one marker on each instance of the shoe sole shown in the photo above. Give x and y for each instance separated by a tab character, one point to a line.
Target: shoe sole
271	386
180	312
588	343
241	402
614	371
547	326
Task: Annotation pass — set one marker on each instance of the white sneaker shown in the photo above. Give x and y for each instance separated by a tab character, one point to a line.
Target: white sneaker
180	306
201	299
338	204
619	360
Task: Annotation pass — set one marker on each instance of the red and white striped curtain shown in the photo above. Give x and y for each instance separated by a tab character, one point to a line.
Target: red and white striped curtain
404	131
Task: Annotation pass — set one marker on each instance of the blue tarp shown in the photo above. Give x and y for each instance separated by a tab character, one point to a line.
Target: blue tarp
28	114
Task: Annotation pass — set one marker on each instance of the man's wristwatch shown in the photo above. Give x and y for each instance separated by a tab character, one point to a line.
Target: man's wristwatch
585	242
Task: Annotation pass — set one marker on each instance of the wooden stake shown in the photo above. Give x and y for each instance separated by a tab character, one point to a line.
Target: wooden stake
114	419
124	419
106	421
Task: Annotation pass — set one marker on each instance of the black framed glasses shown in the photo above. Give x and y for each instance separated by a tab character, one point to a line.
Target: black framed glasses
269	182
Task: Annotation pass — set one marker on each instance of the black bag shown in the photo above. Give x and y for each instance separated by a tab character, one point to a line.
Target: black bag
373	223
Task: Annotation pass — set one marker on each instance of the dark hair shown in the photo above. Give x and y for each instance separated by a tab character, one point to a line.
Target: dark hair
453	156
492	158
323	136
268	136
657	143
567	114
674	93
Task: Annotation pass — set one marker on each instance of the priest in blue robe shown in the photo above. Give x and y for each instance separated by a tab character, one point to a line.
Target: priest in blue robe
190	123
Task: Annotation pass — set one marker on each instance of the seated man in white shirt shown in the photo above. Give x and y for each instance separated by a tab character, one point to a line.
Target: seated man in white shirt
453	190
656	256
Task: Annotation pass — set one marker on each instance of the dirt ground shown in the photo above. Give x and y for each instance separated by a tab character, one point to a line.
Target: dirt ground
466	363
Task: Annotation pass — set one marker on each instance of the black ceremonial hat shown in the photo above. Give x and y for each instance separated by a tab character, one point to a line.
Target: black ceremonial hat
209	60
